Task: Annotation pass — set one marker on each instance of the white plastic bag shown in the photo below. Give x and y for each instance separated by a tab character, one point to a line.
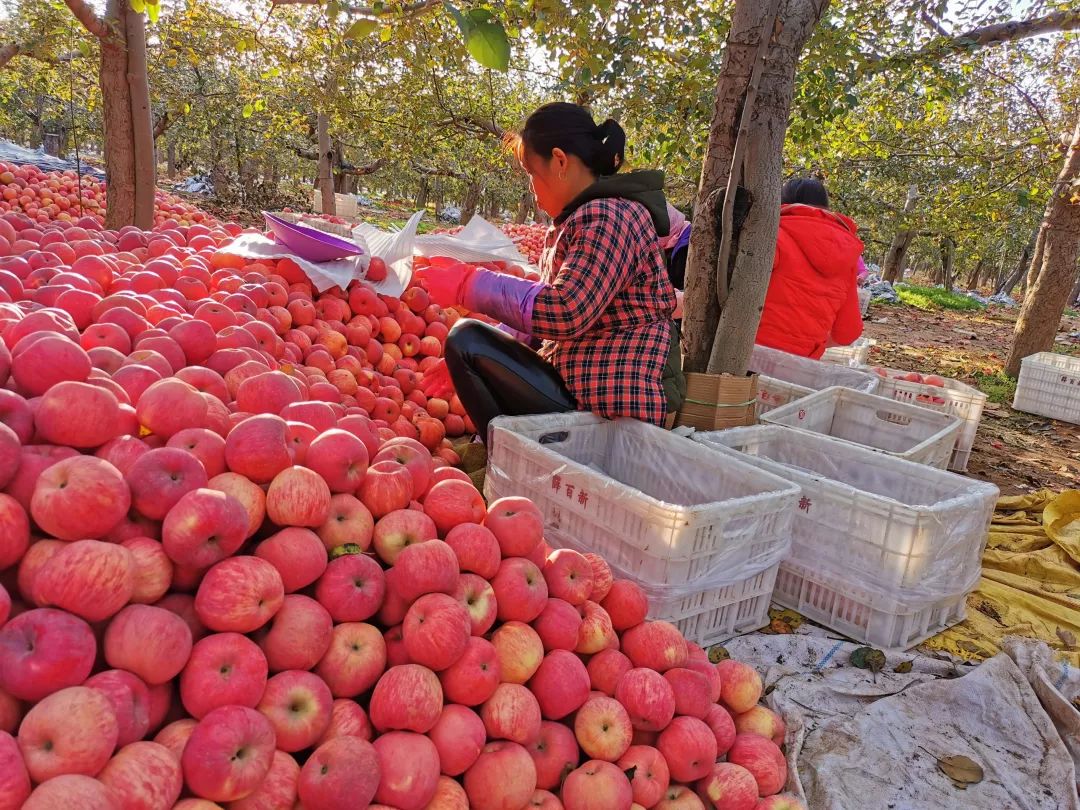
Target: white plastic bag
479	241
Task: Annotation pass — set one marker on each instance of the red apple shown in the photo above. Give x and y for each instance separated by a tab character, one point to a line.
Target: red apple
409	765
144	776
459	736
224	669
89	578
691	692
406	698
152	569
424	568
258	448
555	753
298	636
512	713
476	549
597	785
679	797
72	790
602	728
561	684
352	587
650	773
298	555
723	727
277	789
77	415
602	578
204	527
399	530
451	503
502	777
70	731
558	625
518	525
477	597
175	736
349	522
160	478
708	669
648	698
386	487
545	800
656	645
689	747
239	594
605	670
298	497
228	754
436	630
14	780
762	721
169	406
248	494
520	590
341	774
43	651
130	700
411	455
347	719
729	787
473	678
520	651
14	531
761	756
626	604
298	705
449	795
340	458
569	576
780	801
354	660
79	497
596	633
741	686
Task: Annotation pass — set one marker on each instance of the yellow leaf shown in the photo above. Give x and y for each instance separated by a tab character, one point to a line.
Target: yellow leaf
385	35
962	770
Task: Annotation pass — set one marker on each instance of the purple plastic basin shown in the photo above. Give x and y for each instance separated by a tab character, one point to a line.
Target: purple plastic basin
310	243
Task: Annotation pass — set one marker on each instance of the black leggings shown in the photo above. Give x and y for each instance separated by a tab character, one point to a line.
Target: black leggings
496	375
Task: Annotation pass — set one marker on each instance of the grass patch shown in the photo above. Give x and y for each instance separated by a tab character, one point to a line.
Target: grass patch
998	387
933	298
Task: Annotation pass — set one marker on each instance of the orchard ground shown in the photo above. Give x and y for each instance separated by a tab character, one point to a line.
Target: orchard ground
1017	451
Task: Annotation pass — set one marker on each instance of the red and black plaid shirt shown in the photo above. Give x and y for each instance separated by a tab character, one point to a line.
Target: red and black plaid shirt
605	316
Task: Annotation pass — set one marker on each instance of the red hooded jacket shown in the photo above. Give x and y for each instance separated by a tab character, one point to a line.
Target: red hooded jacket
813	298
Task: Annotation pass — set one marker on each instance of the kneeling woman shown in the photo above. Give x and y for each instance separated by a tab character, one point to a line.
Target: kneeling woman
601	316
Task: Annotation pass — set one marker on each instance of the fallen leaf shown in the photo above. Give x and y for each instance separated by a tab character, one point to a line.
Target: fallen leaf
718	653
962	770
903	667
868	658
1067	638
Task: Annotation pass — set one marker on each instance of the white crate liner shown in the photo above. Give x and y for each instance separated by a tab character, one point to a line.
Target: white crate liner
784	378
661	508
908	533
864	616
876	423
854	355
1049	385
956	398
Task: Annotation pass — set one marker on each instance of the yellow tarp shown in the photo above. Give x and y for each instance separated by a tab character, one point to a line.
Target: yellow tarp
1031	580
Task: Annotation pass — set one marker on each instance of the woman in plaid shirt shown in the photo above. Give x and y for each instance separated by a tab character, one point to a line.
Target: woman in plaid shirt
601	314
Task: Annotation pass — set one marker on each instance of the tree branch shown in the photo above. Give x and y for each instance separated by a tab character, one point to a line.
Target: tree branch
91	21
407	10
998	33
29	49
162	125
9	52
358	171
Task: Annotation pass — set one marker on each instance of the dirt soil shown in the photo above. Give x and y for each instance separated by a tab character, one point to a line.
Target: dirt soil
1017	451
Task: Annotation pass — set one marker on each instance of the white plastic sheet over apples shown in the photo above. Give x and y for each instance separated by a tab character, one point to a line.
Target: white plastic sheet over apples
479	241
856	739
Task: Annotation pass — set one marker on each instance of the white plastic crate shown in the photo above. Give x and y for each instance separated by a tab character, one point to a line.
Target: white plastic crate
956	398
655	505
344	204
854	355
783	377
861	615
1049	385
891	526
877	423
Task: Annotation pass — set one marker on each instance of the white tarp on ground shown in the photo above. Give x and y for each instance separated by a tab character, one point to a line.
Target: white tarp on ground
859	739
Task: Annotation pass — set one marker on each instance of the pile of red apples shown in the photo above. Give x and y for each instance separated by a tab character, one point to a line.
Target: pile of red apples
238	568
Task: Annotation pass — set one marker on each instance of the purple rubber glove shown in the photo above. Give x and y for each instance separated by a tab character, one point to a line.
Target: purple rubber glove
505	298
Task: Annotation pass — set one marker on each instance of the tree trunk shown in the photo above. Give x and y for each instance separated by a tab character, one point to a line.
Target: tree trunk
142	124
1036	262
1041	314
701	308
525	207
762	174
976	273
422	194
170	158
948	256
893	268
116	111
1074	296
1008	284
325	182
472	200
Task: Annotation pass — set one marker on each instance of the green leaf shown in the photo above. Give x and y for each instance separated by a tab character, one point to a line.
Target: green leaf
138	6
84	47
461	21
153	10
488	45
361	28
247	111
260	105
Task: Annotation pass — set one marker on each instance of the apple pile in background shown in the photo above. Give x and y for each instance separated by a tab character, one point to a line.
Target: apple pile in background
238	569
528	238
919	379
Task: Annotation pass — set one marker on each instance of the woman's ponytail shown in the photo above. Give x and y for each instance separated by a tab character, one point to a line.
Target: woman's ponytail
613	138
570	127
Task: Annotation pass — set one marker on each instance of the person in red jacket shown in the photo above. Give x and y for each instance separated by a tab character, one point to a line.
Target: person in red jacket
813	297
